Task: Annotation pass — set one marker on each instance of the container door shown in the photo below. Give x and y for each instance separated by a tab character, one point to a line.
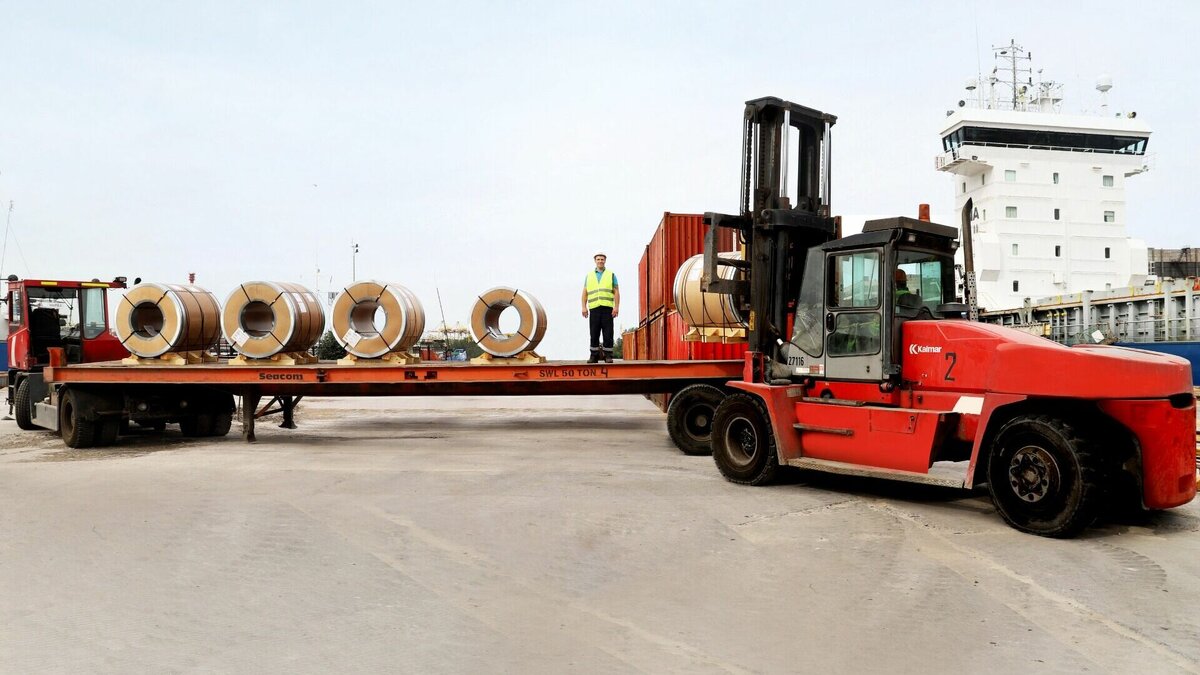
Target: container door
854	319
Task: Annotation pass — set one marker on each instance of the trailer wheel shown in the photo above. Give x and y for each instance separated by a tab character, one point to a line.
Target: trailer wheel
690	417
1044	477
221	424
196	425
743	444
23	407
76	431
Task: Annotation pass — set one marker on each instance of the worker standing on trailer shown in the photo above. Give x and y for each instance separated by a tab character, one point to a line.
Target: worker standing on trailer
601	303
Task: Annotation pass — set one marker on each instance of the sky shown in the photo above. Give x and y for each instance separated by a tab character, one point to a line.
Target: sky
468	145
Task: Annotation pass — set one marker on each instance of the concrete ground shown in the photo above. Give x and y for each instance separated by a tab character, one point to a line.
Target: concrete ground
547	535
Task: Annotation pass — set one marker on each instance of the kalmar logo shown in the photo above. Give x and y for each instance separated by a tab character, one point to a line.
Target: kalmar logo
924	349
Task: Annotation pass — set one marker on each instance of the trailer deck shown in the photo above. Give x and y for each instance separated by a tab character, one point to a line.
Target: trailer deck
286	384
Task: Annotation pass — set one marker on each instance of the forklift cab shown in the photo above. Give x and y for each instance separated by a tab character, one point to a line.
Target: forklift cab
858	291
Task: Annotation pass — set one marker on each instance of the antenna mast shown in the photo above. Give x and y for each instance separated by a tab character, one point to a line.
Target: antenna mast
1016	64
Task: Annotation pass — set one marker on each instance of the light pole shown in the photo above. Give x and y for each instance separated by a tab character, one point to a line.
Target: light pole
353	261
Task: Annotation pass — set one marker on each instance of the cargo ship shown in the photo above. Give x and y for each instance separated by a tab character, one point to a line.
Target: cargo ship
1040	197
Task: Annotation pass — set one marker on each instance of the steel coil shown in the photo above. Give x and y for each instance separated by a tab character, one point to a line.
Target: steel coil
485	322
155	319
706	310
354	312
264	318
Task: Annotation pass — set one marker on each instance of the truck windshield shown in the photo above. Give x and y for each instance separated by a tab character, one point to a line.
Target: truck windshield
54	311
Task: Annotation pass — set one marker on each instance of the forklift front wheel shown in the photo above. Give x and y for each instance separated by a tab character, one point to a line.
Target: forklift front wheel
743	444
690	418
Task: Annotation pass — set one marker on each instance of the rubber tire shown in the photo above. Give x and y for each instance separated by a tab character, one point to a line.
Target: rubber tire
197	425
76	432
690	416
106	432
743	443
222	422
23	407
1073	499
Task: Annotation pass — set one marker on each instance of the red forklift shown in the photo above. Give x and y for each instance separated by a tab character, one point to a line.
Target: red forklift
45	314
861	361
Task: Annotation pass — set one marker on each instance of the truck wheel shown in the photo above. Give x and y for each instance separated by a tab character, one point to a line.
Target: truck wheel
76	431
23	407
1044	477
743	444
690	416
106	432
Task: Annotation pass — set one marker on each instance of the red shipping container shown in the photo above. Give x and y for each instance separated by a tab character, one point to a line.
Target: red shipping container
629	345
677	349
656	339
716	351
643	287
643	354
678	237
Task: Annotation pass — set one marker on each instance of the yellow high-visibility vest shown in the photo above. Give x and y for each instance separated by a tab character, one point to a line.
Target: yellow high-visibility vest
599	293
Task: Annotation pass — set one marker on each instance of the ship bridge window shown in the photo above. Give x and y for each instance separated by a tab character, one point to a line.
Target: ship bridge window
1106	181
1046	140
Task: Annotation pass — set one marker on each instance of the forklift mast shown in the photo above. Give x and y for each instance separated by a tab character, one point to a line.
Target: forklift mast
784	212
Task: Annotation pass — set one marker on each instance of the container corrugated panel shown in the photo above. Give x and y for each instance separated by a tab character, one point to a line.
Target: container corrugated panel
678	237
642	350
716	351
643	272
677	349
656	339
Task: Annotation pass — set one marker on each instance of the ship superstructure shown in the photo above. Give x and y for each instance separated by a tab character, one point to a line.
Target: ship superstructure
1043	191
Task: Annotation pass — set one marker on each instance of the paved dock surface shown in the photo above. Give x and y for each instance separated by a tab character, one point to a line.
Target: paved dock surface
551	535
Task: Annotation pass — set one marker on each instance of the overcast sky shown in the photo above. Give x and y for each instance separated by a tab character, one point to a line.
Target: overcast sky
491	144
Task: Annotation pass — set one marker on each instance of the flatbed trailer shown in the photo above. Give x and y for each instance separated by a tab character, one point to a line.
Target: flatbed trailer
114	393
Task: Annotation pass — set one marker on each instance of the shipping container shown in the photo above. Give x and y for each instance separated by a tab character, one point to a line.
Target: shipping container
678	237
677	349
643	286
629	345
656	339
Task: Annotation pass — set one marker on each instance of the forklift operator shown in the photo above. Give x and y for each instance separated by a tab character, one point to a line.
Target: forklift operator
901	279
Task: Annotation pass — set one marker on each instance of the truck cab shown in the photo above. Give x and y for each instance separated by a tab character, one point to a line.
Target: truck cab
45	314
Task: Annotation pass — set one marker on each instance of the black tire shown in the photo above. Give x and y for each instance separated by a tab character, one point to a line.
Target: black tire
106	431
76	431
221	424
23	407
1044	476
743	443
196	425
690	417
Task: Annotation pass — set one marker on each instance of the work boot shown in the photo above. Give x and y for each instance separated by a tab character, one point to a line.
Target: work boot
595	357
607	356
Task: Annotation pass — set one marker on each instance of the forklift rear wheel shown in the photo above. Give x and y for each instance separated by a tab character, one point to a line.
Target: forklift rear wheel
23	407
77	432
743	444
1044	477
690	418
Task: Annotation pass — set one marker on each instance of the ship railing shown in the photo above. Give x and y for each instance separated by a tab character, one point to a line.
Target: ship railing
1141	330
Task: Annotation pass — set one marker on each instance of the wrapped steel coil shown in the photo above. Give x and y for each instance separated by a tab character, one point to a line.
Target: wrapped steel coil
354	325
485	322
705	310
265	318
154	319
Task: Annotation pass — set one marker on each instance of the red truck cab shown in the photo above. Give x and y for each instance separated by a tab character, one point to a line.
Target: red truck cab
71	315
